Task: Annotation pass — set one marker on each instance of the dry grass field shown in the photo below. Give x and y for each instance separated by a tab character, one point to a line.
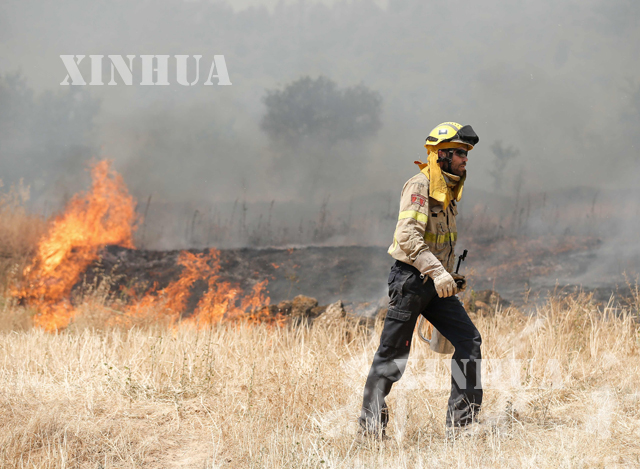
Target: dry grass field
562	385
561	390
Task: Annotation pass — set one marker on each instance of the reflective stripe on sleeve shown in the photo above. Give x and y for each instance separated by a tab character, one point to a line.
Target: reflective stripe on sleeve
445	238
393	246
413	214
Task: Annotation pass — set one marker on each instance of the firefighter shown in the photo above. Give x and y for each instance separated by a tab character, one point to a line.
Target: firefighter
420	282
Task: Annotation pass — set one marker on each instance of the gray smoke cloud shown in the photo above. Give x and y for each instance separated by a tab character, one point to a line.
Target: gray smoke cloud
555	82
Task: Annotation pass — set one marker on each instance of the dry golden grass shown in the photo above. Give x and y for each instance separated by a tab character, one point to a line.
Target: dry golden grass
561	390
19	233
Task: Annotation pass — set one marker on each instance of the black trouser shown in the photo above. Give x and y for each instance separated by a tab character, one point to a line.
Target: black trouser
409	297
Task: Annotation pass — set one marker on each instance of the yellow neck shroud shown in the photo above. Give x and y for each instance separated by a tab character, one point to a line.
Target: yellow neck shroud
438	188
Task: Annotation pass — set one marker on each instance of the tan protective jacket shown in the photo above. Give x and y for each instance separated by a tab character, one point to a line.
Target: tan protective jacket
426	233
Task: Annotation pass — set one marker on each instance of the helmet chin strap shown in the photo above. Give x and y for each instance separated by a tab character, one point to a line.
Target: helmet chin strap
447	160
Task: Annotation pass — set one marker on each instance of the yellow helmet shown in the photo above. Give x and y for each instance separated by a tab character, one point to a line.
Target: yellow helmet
452	132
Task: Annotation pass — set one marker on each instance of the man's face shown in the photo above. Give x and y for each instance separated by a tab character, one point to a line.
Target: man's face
459	161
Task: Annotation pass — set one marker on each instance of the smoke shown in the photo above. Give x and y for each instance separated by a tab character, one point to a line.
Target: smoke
617	261
553	81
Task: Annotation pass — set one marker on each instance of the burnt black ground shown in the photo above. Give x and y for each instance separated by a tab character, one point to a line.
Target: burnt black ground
349	273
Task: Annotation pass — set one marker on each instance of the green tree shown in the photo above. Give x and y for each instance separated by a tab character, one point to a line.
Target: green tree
318	109
319	134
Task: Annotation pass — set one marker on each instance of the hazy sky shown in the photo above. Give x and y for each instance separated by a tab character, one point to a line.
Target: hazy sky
558	81
272	4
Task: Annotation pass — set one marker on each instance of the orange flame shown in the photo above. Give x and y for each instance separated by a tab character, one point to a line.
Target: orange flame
220	301
105	215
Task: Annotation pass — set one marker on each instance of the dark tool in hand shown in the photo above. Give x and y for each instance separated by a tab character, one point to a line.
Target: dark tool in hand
460	281
461	258
437	342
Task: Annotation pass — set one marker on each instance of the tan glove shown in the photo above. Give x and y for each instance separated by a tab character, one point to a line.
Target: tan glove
445	284
461	281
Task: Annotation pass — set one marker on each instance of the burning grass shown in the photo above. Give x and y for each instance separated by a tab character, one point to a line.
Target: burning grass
561	388
131	381
105	215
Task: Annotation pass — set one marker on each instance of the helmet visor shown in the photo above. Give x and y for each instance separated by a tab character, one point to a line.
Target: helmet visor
467	135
